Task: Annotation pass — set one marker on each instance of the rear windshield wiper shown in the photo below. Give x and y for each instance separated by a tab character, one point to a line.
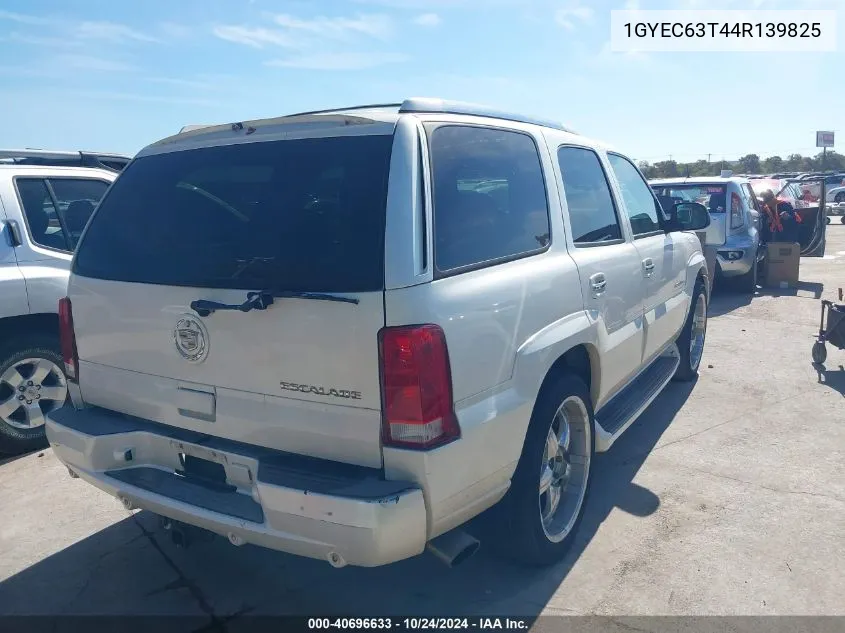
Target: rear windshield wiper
263	300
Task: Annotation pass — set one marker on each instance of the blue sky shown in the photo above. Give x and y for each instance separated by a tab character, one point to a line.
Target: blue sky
117	75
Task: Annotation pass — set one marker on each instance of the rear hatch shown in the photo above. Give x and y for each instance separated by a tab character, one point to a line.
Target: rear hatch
287	218
713	196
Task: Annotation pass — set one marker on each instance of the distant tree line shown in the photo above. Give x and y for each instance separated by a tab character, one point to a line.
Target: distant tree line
749	164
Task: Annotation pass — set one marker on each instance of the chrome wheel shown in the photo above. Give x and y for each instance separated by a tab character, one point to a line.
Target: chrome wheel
698	332
29	389
565	468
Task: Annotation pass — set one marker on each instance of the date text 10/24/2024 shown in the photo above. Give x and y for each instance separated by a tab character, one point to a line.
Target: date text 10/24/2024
419	624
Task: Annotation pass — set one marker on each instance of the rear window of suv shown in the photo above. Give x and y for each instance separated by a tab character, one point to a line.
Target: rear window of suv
301	215
714	197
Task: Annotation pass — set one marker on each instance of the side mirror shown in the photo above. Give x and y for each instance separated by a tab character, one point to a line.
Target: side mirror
689	216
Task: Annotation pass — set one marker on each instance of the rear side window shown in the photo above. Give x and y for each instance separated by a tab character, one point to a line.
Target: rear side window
489	196
592	213
45	227
76	199
57	209
302	215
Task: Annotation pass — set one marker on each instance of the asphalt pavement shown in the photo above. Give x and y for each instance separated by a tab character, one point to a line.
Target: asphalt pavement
727	497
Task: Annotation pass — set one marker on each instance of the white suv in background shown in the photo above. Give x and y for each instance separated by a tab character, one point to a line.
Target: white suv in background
344	334
46	198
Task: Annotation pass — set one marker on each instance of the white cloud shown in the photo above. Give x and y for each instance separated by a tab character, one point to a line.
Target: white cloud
255	37
427	19
376	25
22	18
292	32
111	32
181	83
175	31
569	17
339	61
126	96
99	64
39	40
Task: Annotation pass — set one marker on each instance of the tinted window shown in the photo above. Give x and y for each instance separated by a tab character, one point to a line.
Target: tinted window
639	200
489	196
303	215
44	224
591	210
750	197
76	198
714	197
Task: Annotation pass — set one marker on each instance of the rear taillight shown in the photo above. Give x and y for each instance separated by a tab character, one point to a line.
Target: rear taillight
68	340
416	383
737	218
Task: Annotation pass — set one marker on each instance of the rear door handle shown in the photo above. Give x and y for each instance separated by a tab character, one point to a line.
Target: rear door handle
598	283
648	266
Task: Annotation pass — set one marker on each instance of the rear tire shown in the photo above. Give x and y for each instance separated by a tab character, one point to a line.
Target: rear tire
691	340
36	360
537	528
842	219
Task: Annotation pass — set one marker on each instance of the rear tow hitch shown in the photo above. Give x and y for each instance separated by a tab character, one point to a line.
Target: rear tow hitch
183	535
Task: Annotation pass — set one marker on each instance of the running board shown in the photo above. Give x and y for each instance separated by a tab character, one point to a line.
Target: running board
618	414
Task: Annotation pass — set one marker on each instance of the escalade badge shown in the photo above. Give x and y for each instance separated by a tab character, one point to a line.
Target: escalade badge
191	339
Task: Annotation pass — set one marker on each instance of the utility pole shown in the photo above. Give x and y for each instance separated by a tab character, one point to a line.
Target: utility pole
708	159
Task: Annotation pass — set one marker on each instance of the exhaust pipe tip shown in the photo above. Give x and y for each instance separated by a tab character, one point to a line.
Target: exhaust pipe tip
453	548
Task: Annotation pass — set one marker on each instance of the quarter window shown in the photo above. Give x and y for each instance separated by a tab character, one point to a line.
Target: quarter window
489	196
45	227
592	214
58	209
76	198
640	203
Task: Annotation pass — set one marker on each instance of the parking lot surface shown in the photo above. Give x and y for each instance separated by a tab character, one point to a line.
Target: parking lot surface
726	497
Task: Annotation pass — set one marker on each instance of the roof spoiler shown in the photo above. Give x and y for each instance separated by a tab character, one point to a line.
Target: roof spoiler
191	128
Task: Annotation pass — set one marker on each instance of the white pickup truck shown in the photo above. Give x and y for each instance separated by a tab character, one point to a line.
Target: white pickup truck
344	334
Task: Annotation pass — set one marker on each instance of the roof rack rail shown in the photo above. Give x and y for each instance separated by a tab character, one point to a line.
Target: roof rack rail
428	105
56	158
374	106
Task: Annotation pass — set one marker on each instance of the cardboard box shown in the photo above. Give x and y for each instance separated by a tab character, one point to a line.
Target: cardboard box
783	260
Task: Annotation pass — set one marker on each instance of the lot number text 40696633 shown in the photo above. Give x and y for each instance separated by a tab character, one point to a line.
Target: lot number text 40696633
419	624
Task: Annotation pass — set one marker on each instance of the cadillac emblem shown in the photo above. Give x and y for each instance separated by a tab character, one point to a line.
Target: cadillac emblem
191	339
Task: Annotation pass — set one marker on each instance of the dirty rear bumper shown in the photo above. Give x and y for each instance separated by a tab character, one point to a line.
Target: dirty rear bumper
306	506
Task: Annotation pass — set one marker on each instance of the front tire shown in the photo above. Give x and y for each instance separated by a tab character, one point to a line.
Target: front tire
536	522
691	340
32	384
